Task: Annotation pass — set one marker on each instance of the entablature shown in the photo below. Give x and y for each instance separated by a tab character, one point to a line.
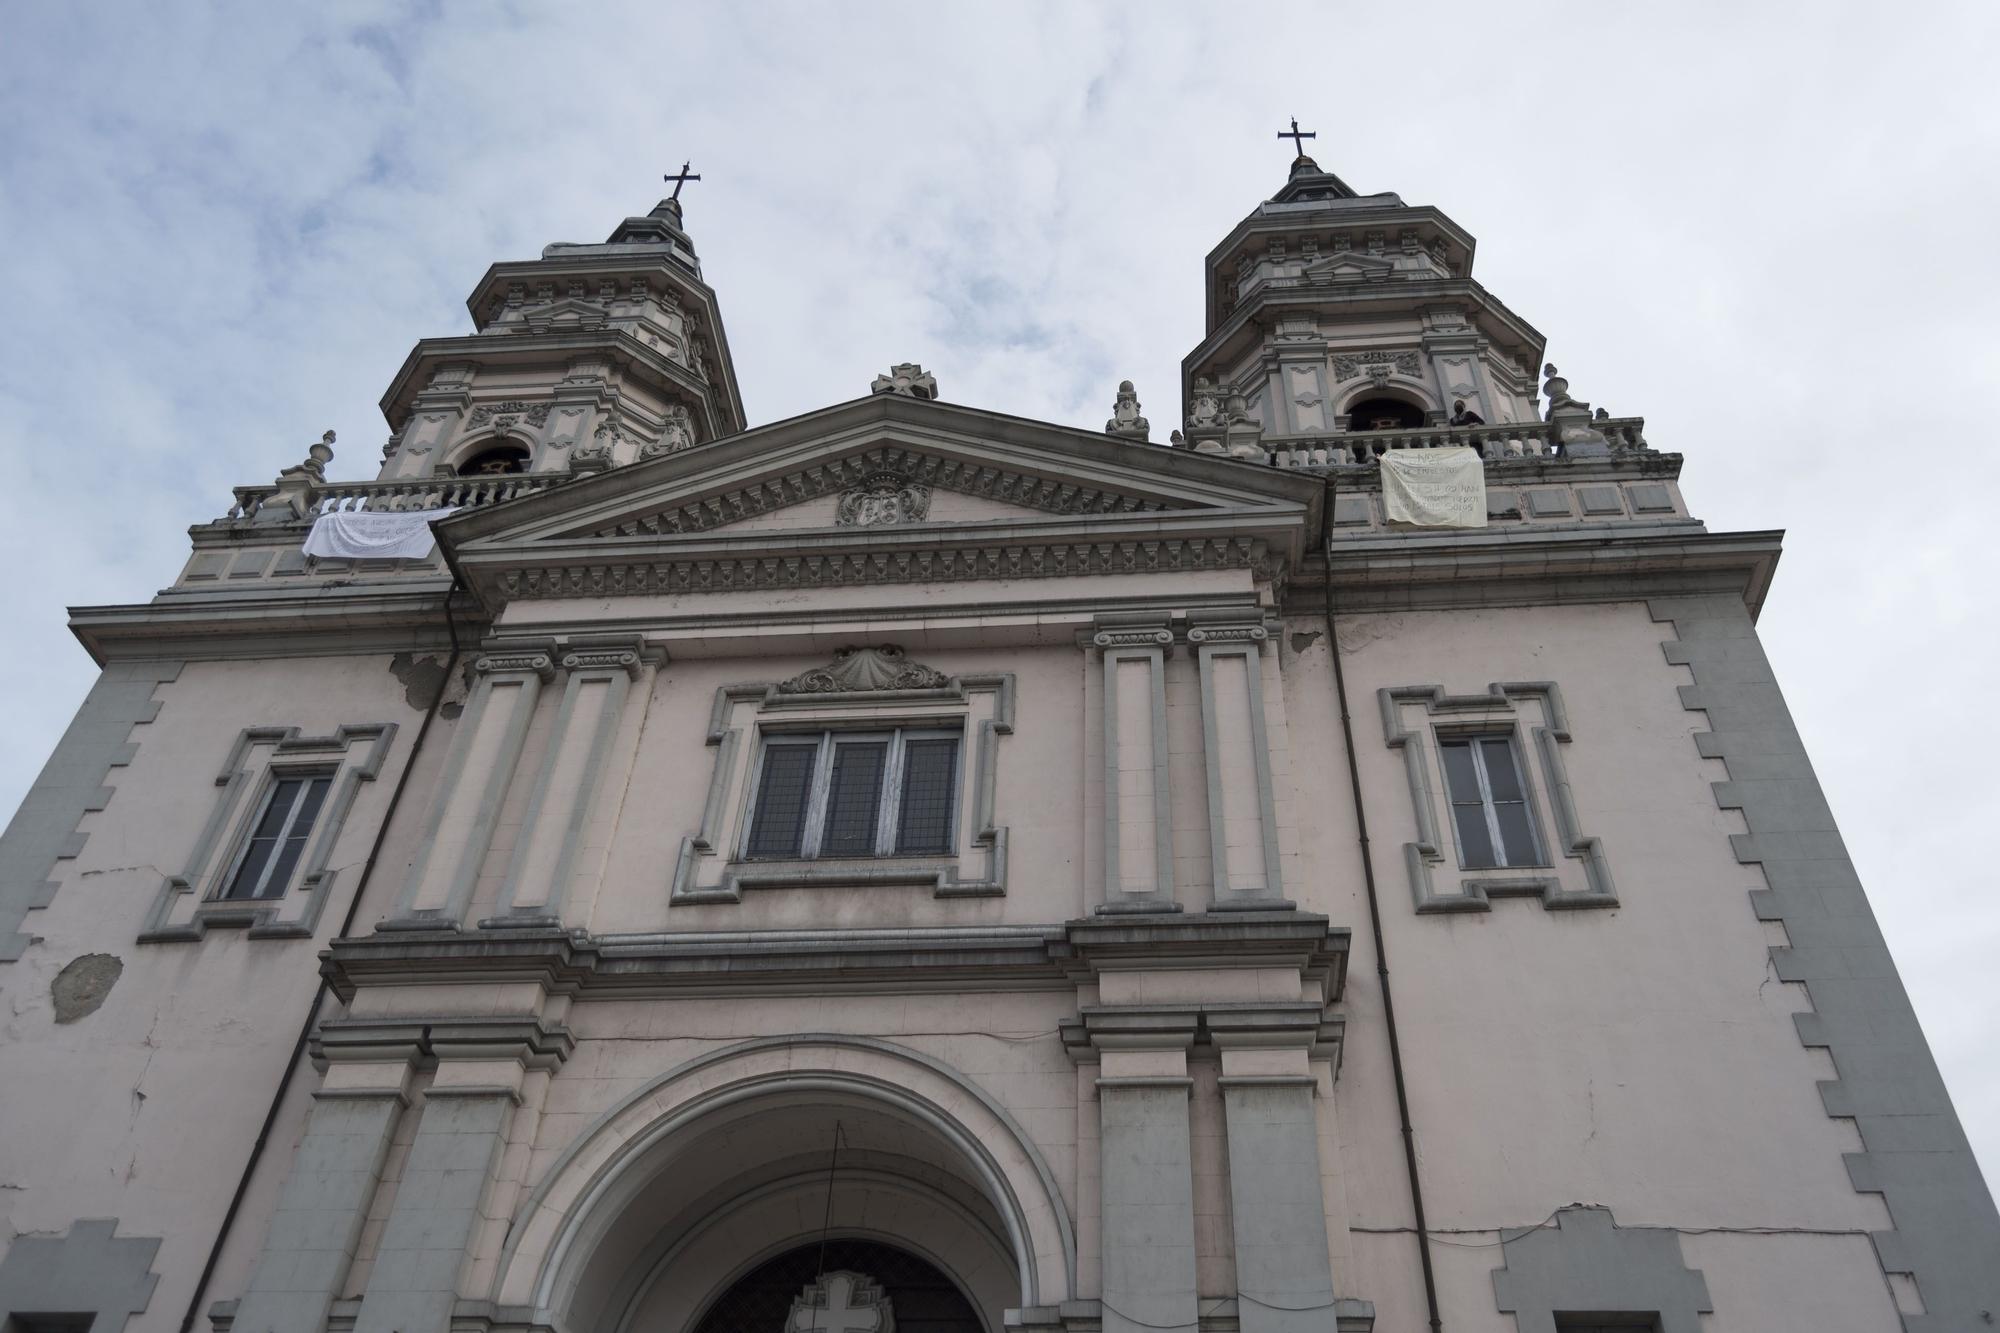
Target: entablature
665	965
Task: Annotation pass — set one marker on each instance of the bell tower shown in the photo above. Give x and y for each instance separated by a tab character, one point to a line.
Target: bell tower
1330	312
590	357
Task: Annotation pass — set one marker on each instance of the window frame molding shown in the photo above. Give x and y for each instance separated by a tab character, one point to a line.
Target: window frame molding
351	755
738	743
1488	713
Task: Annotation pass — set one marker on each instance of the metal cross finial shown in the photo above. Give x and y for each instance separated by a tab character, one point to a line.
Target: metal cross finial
1298	136
682	177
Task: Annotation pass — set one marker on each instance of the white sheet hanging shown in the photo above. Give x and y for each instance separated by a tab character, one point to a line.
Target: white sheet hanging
1434	488
361	534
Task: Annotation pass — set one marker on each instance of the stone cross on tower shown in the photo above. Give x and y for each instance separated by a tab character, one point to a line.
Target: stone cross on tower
1298	136
841	1302
682	177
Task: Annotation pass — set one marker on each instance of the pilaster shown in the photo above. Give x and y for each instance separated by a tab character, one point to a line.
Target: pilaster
1236	746
1146	1176
484	752
443	1196
548	855
1138	811
436	412
310	1242
1284	1277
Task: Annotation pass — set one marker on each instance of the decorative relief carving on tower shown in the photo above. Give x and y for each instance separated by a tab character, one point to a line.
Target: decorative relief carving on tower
598	454
881	500
866	669
510	413
1357	364
675	435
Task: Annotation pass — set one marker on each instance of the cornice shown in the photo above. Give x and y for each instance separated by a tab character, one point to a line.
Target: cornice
1248	315
491	349
1088	461
1399	572
320	621
1052	957
830	558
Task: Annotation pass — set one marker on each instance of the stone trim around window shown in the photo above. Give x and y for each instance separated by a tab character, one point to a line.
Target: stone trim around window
187	907
1497	708
1587	1262
982	704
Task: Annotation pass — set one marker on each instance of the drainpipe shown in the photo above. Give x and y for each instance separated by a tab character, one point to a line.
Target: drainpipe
319	995
1374	906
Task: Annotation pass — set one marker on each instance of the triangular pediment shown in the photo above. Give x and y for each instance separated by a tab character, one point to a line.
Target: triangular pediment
1349	266
882	475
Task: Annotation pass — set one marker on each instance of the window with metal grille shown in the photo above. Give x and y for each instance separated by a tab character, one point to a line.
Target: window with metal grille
1489	802
855	793
277	838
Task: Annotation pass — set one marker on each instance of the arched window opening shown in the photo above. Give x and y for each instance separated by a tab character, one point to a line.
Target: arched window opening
500	460
1384	414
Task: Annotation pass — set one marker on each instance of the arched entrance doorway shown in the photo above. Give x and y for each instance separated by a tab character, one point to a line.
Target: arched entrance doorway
726	1165
913	1292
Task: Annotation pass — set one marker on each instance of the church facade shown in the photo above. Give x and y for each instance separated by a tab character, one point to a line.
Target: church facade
910	867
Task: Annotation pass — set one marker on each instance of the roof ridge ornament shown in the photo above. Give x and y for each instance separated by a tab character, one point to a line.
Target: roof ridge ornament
907	380
866	670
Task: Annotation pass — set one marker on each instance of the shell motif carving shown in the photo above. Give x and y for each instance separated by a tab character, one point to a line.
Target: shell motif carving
873	669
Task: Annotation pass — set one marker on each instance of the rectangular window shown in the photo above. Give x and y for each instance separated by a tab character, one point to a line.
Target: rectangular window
1489	803
1607	1323
855	794
277	839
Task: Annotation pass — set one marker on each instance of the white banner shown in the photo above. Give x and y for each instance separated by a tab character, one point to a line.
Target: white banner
360	534
1434	488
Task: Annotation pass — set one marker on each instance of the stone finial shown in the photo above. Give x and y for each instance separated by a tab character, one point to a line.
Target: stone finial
318	456
1125	419
298	485
1571	419
1207	421
907	380
1244	434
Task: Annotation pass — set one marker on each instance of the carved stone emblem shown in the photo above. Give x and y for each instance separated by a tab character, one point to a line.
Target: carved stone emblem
883	499
841	1302
536	413
1125	419
883	668
1353	367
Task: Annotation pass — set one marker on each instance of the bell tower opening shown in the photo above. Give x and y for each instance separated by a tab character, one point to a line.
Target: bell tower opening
1384	413
500	460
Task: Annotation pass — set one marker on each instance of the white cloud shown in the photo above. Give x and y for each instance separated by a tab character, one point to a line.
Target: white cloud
1765	229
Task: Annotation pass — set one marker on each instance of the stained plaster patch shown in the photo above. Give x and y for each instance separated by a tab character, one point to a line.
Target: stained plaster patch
79	990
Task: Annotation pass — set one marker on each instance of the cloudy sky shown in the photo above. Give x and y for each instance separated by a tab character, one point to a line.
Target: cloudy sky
1767	229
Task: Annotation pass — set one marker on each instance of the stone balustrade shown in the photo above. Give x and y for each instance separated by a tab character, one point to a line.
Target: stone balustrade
401	494
1533	439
